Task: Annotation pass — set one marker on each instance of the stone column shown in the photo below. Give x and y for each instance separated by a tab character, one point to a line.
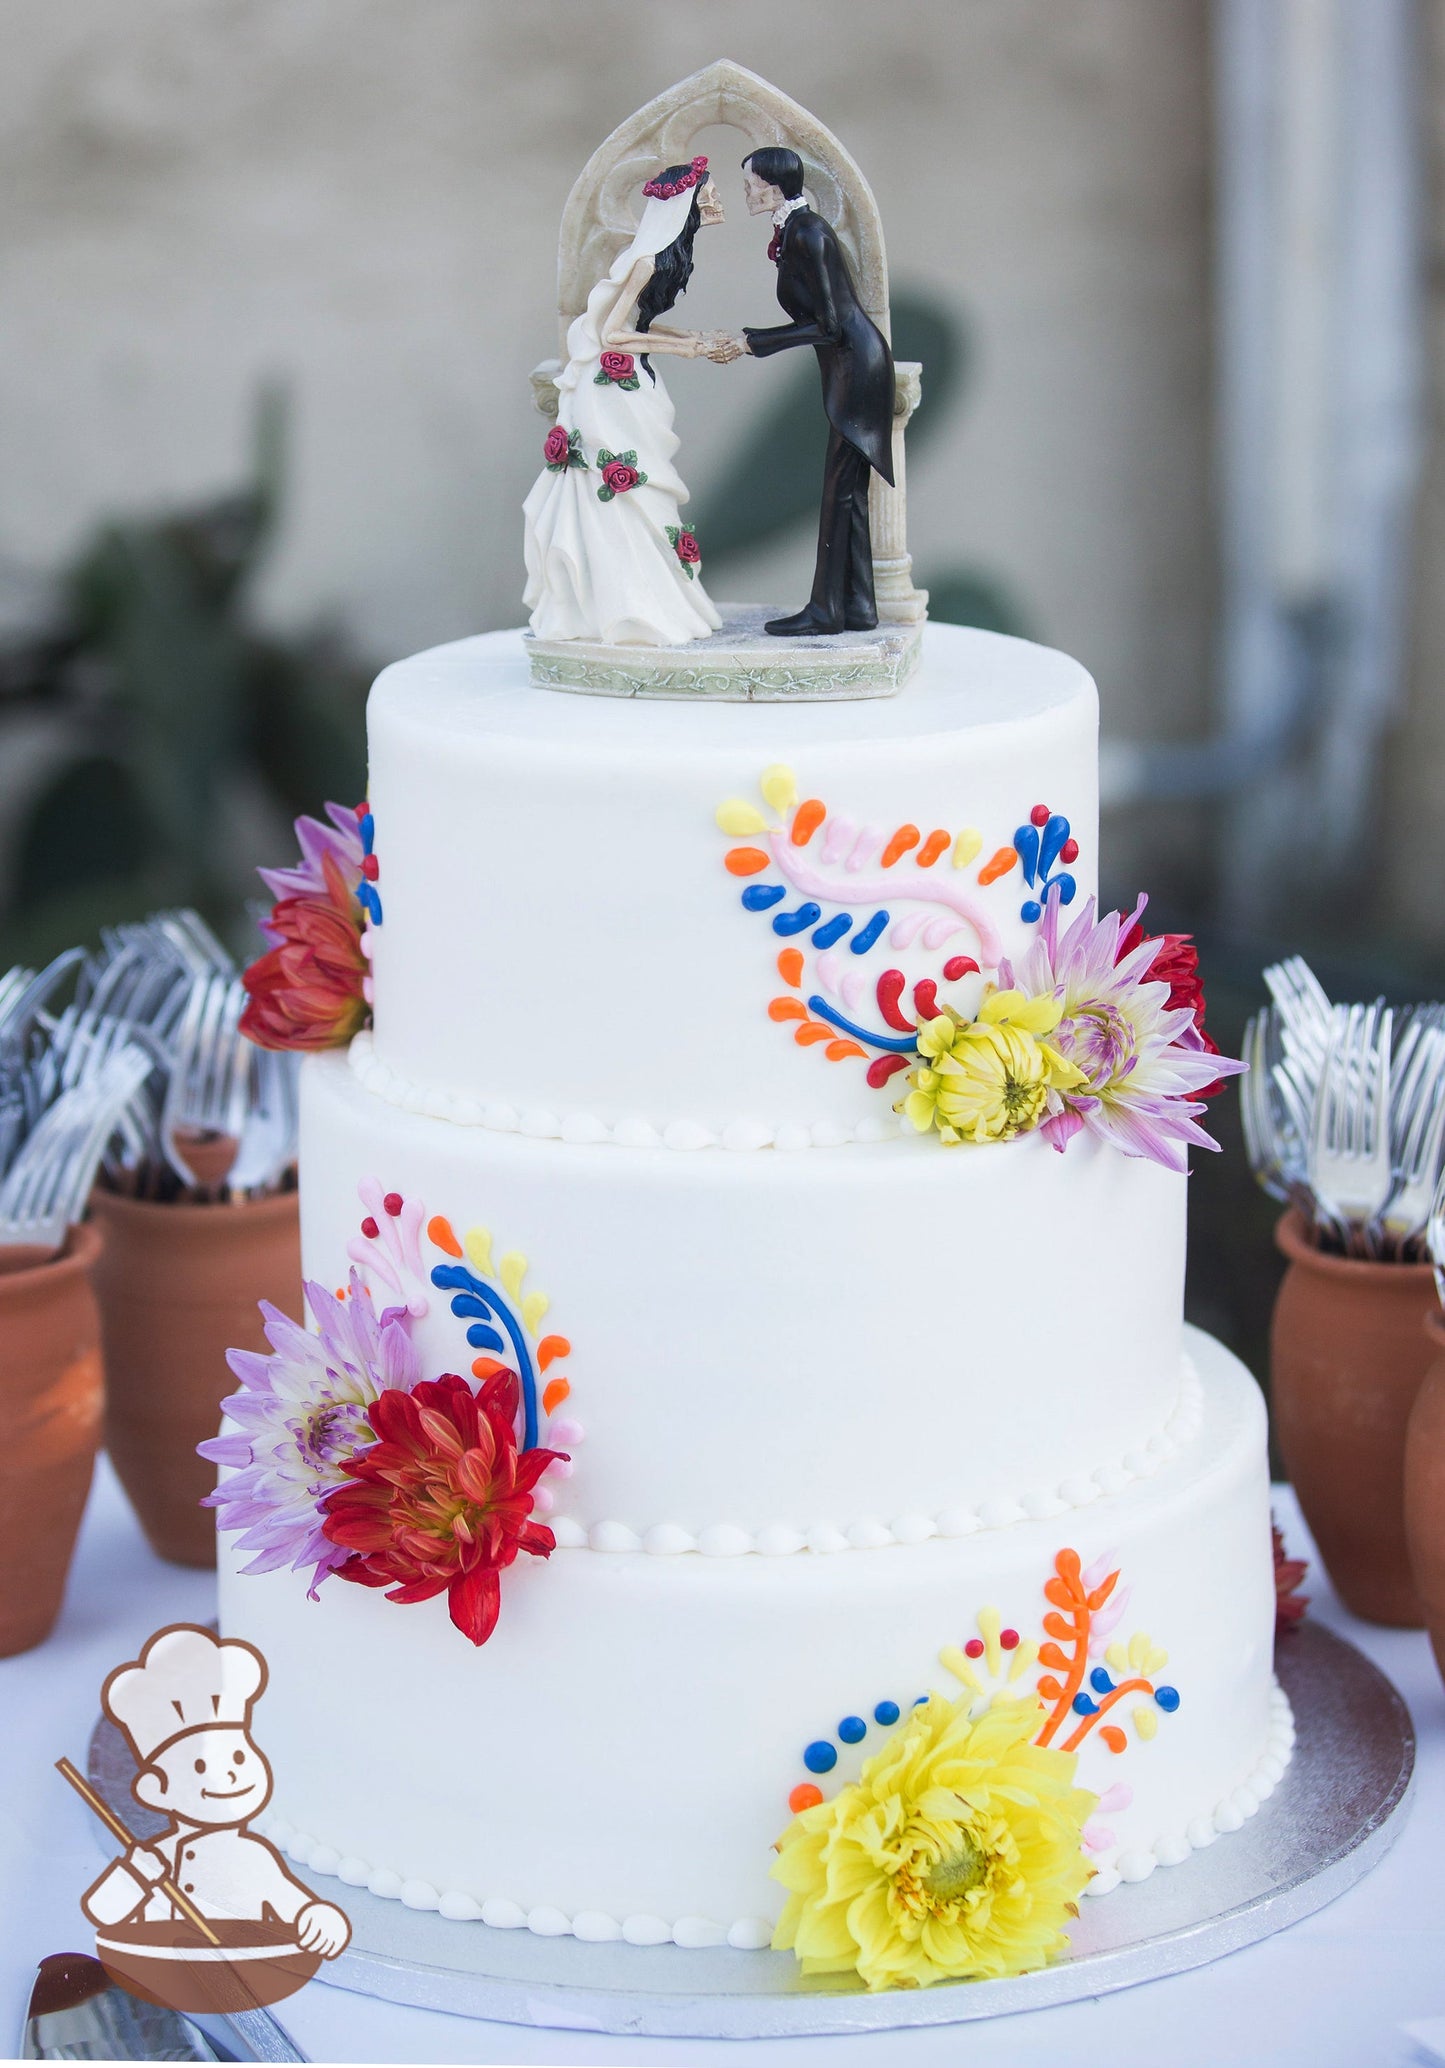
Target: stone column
899	603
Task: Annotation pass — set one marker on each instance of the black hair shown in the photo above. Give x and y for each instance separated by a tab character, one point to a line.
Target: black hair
778	167
672	266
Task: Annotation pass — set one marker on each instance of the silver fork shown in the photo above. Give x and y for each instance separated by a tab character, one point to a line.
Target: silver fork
1349	1151
1435	1236
1303	1006
268	1135
207	1089
45	1190
1418	1136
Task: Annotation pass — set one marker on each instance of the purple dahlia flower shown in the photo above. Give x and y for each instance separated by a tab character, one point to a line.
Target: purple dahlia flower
1143	1062
341	840
300	1414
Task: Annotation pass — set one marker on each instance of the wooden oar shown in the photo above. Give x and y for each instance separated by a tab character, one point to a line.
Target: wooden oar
118	1831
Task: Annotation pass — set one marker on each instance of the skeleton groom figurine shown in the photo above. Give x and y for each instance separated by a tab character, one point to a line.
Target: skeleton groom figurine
185	1707
816	290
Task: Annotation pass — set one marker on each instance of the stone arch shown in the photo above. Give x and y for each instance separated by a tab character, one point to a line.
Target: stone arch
600	215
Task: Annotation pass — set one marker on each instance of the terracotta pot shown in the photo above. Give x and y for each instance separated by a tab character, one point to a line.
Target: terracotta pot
1425	1488
178	1286
50	1399
1347	1355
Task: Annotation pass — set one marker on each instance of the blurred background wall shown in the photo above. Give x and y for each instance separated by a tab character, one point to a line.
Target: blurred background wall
273	274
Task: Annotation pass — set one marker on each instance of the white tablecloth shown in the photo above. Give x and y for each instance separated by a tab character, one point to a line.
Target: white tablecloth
1338	1988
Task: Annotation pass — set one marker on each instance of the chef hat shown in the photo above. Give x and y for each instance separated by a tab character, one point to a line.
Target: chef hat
186	1679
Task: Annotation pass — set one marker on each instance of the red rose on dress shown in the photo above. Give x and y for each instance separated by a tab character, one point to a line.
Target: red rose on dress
618	366
619	476
1177	965
554	452
308	992
442	1501
688	549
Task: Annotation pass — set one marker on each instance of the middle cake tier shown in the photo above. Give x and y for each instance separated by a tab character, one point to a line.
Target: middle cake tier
780	1351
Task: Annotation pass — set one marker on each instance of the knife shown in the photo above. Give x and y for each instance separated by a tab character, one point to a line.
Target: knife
78	2014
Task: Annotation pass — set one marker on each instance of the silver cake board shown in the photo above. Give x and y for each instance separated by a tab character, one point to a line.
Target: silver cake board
1334	1815
739	664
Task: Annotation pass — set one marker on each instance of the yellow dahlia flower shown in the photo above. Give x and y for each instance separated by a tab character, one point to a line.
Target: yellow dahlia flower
989	1079
955	1853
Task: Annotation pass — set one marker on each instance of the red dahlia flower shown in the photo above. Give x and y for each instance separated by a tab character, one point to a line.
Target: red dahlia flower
1177	965
308	991
443	1500
1289	1603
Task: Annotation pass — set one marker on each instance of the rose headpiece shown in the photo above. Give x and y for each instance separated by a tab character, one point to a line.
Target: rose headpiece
664	190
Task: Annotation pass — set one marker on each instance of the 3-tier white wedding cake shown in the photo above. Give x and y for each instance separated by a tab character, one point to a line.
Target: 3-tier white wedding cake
844	1411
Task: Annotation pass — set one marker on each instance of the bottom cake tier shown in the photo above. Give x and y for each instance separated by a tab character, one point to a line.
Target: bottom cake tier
619	1758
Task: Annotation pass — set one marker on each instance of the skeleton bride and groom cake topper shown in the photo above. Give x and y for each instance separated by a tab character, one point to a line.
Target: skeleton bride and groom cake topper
611	559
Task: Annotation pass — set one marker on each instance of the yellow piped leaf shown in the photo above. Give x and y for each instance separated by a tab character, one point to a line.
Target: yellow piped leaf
736	817
990	1622
478	1245
512	1270
1024	1657
779	786
1117	1656
967	845
961	1667
1146	1721
533	1308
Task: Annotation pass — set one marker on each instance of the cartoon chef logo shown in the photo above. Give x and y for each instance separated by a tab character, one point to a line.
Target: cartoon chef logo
206	1915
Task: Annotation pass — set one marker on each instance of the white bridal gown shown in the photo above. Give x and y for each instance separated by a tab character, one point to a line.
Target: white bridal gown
608	570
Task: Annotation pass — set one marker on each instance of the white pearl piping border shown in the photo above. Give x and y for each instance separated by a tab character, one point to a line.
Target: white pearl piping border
752	1934
1227	1815
631	1132
782	1540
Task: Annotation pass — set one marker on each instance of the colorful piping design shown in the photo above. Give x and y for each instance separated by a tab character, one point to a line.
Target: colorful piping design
368	896
1082	1680
393	1252
860	888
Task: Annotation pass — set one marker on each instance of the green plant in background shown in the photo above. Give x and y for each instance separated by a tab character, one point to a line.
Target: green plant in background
770	487
170	717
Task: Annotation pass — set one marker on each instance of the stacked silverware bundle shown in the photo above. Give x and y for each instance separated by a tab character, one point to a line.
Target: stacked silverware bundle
143	1080
1344	1114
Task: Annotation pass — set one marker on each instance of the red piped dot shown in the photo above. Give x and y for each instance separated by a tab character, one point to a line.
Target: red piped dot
974	1648
925	998
362	809
369	1229
1009	1639
1040	815
884	1067
807	1795
958	966
1069	852
370	867
392	1203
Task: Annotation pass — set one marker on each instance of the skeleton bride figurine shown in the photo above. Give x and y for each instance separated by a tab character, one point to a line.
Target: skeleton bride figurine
608	555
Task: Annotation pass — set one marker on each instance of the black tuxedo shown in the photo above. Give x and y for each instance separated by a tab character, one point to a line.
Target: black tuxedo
816	289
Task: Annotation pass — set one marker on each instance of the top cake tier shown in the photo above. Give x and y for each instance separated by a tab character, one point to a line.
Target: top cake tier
639	920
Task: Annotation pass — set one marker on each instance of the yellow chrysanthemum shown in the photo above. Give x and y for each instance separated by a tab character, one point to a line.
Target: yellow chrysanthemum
955	1853
989	1079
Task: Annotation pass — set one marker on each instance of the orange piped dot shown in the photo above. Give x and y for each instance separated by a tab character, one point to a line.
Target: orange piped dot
341	1292
933	847
837	1050
550	1349
998	864
1113	1737
790	966
903	839
807	819
554	1393
439	1228
814	1031
746	861
483	1367
787	1009
807	1795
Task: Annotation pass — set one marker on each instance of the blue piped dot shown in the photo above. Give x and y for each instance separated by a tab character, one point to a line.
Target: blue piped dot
1065	886
917	1699
851	1729
820	1757
758	896
1100	1681
886	1712
368	833
862	942
1167	1698
1031	909
1084	1705
787	923
832	930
